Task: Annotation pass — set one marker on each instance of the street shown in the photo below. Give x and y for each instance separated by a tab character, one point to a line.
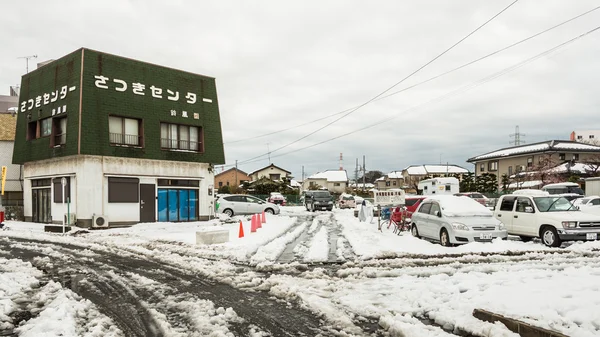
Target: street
305	274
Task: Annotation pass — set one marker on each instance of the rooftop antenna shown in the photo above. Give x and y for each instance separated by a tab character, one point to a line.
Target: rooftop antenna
27	60
517	137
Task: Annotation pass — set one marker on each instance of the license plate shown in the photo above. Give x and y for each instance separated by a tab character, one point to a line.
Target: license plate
485	236
591	236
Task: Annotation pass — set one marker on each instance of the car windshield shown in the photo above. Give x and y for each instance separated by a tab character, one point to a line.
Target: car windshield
553	204
321	194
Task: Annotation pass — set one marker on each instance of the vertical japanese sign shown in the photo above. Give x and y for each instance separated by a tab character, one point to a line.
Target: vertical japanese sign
3	178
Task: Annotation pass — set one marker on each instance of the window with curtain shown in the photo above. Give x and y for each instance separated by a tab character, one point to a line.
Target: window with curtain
180	137
124	131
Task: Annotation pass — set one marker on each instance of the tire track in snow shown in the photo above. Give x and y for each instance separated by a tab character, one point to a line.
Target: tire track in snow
257	309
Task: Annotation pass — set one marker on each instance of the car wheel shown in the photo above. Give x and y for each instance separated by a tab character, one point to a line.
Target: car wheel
414	231
550	237
445	238
270	211
229	212
525	238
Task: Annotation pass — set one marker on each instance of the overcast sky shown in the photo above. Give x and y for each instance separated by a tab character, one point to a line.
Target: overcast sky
280	64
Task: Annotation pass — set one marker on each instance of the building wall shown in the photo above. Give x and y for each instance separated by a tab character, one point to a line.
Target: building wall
12	171
504	164
89	184
267	172
586	136
185	98
227	178
341	188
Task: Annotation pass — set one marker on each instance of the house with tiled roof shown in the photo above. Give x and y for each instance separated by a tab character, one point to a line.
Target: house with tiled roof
551	154
394	179
271	171
231	177
335	181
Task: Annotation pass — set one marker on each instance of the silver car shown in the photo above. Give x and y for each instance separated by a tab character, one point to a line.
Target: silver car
234	204
455	220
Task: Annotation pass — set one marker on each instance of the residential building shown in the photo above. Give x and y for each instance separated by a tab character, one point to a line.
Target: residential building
231	177
415	173
272	172
116	141
12	199
335	181
586	136
517	161
394	179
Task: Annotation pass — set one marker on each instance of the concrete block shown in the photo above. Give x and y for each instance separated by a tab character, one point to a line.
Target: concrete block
210	237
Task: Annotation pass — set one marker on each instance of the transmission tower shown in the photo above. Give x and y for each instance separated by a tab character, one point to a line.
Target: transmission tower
517	137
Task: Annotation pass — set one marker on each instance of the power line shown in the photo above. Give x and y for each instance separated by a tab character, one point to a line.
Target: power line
451	93
390	88
428	80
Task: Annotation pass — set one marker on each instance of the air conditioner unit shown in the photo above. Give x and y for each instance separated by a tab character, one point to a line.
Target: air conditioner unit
70	219
99	221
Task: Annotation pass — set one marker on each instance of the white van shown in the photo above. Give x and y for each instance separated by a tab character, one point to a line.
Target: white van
439	186
563	188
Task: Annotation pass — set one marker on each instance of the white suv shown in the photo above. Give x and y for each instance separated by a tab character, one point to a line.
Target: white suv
550	217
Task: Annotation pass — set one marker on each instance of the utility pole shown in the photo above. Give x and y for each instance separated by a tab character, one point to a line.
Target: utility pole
302	178
364	172
27	61
356	174
517	137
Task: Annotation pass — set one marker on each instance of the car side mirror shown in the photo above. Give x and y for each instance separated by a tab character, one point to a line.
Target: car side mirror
528	209
438	214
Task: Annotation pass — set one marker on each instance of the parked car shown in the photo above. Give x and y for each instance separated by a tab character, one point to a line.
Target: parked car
237	204
277	198
552	218
562	188
593	200
411	203
480	198
455	220
346	201
318	200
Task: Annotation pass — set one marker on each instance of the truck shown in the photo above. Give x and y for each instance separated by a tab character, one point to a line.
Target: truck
439	186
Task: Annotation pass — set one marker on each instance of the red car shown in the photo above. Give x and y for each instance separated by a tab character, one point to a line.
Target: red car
412	203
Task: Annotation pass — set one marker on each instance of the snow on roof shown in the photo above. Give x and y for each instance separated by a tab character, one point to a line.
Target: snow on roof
538	147
380	179
295	183
577	167
525	184
331	175
460	206
435	169
576	146
395	175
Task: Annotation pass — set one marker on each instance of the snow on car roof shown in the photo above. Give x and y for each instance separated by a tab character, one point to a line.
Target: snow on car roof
530	192
460	206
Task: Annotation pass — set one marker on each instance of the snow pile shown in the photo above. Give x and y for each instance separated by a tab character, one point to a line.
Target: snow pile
318	248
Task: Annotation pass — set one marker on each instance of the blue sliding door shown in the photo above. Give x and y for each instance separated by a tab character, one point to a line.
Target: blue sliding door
177	204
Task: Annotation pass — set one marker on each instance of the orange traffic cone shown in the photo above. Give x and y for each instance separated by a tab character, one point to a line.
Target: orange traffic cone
264	217
253	224
241	232
258	221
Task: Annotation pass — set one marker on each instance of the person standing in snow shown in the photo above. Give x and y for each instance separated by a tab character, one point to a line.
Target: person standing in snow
362	214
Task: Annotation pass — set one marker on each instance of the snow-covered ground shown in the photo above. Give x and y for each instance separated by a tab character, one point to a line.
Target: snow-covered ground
404	282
